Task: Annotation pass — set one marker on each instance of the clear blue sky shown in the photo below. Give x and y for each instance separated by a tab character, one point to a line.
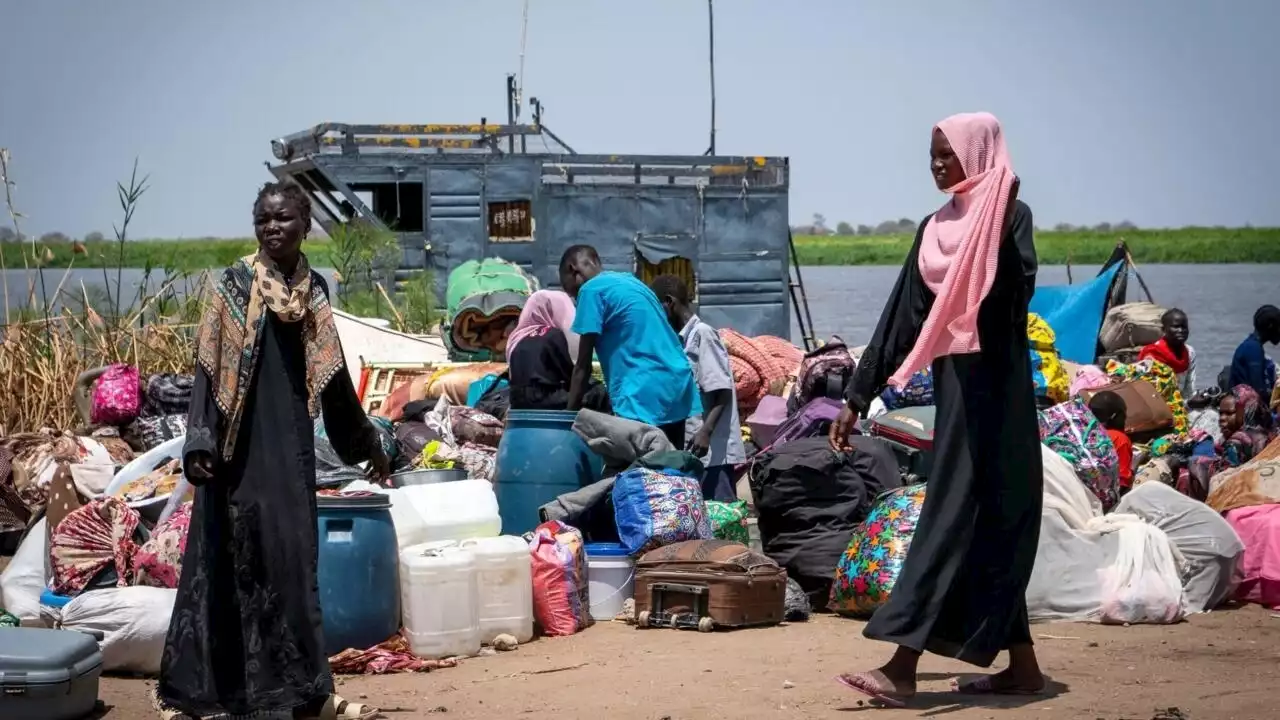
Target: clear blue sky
1162	112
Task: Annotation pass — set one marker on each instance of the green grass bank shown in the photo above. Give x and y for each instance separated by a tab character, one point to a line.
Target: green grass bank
1185	245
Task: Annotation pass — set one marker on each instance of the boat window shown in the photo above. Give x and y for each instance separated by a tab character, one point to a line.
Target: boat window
681	267
397	205
511	221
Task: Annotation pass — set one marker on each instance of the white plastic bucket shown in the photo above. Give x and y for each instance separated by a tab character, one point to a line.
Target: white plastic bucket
611	579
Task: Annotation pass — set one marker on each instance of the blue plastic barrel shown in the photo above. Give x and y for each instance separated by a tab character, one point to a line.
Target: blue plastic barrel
359	572
539	459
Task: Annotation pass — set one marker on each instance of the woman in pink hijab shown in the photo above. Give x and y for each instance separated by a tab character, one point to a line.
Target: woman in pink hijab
960	308
540	352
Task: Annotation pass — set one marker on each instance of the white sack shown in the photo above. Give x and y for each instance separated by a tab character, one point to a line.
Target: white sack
23	580
133	621
1095	567
1207	541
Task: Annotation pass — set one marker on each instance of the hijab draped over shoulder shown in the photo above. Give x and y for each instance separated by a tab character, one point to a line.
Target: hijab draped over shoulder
545	310
961	242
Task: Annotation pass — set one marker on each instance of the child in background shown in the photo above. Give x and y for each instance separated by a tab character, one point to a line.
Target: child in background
716	437
1110	410
1172	350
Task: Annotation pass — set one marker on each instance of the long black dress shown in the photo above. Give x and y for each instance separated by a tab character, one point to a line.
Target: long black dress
962	589
245	634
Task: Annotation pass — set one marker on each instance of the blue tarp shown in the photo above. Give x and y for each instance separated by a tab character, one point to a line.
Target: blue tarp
1075	314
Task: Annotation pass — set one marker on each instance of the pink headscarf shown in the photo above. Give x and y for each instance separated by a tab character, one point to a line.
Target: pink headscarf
961	242
544	310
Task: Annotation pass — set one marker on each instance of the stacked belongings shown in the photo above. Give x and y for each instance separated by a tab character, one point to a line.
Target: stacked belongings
1249	499
810	499
484	299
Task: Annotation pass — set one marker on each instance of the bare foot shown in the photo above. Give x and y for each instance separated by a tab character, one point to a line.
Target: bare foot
1005	682
880	687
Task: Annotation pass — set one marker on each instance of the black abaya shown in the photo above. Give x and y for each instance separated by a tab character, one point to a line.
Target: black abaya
245	634
961	592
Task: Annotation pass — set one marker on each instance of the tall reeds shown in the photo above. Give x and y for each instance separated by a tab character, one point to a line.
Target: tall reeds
48	343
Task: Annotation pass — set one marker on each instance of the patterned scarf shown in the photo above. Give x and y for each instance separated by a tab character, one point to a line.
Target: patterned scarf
227	343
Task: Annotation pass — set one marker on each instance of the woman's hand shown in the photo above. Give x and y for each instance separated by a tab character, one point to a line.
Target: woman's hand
841	429
198	467
379	466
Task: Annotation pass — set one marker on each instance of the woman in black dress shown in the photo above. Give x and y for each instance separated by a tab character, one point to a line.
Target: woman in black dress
960	305
245	635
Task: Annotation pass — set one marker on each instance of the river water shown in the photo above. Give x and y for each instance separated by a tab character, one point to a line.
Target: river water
1219	299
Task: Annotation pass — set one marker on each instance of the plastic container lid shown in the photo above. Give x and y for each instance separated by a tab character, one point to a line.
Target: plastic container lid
376	501
605	549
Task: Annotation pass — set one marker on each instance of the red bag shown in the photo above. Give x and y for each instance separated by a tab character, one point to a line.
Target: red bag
559	564
117	396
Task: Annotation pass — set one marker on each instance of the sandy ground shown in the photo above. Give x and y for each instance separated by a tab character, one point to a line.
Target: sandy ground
1220	666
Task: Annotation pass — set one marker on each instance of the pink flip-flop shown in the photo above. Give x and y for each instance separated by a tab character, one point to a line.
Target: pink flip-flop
866	684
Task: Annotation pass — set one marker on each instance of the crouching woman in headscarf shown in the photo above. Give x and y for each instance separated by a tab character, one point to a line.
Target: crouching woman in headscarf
960	307
245	636
540	353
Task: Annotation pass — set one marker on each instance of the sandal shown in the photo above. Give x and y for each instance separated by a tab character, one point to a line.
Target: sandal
336	708
986	685
868	685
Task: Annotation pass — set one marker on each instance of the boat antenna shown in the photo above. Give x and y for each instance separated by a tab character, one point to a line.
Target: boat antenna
711	46
524	32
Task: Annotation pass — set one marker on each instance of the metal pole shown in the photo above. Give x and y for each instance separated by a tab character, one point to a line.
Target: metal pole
511	111
711	33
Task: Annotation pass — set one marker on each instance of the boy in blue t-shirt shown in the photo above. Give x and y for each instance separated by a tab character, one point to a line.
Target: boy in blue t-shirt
644	364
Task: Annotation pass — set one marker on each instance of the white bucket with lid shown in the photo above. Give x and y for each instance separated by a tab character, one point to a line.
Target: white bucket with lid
611	579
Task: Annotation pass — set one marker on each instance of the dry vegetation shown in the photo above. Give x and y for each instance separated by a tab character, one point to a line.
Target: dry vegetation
54	337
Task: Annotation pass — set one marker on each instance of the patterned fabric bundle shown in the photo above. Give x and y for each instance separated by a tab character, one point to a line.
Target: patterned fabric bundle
560	591
729	521
228	338
35	460
156	430
470	425
654	508
1071	430
168	394
89	540
1160	376
761	366
159	560
1046	365
389	656
918	392
13	513
870	566
9	621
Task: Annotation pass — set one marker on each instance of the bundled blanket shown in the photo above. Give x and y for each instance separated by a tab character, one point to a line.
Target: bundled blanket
761	366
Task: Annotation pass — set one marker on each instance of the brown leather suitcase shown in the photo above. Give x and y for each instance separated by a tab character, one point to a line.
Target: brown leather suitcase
706	584
1147	413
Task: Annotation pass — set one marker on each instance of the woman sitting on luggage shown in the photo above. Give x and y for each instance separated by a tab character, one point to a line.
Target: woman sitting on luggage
540	354
960	307
1247	427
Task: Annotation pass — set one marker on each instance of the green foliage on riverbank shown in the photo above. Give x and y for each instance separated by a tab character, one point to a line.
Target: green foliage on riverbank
1086	247
1185	245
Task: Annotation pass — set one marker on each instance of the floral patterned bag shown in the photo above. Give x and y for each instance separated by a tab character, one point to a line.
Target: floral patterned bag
869	568
729	521
654	508
1071	430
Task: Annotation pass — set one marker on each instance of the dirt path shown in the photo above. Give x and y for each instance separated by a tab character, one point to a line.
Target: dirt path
1221	666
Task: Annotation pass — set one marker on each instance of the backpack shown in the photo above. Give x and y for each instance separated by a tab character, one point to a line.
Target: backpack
824	373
